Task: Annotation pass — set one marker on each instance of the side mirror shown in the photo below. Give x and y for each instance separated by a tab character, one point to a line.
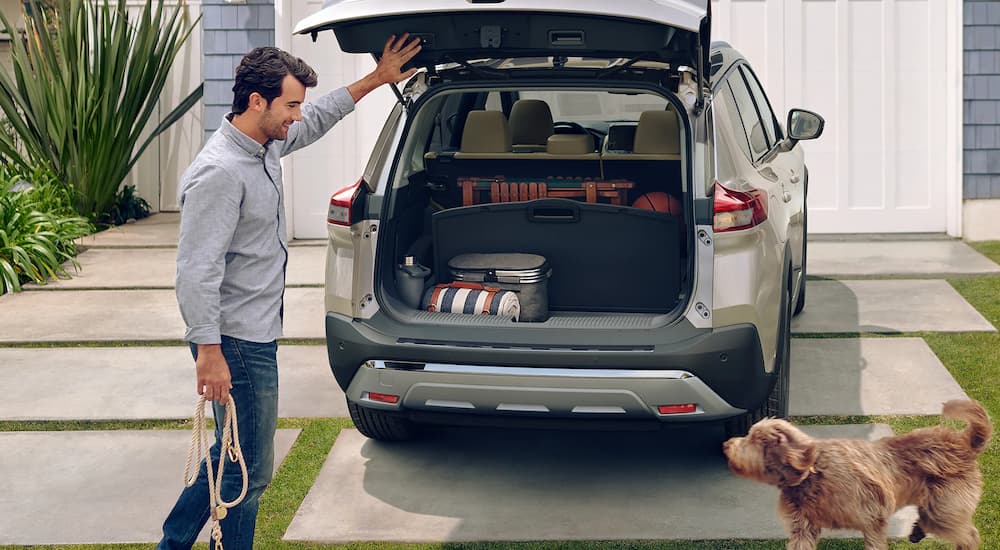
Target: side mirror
804	124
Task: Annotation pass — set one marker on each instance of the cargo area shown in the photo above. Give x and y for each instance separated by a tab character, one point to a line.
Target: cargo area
599	195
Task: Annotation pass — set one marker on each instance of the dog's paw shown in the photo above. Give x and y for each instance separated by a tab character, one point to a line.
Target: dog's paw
917	534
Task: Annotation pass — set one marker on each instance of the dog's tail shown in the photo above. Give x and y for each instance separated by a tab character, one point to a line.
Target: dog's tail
977	433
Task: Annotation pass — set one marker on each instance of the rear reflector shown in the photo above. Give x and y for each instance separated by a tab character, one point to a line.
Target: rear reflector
383	398
340	205
678	409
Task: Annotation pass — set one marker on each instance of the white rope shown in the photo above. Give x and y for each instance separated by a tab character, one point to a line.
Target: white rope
230	448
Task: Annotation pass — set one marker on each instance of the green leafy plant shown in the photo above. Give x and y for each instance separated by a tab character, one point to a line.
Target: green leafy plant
86	80
37	229
127	206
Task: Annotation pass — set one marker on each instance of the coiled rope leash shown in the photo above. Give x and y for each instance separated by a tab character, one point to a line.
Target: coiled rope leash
230	448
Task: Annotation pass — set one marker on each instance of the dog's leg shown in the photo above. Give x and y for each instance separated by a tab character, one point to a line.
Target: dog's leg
971	542
877	535
965	537
802	535
949	512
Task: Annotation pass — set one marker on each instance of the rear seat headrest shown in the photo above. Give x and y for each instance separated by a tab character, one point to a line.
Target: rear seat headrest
530	122
486	132
569	144
657	133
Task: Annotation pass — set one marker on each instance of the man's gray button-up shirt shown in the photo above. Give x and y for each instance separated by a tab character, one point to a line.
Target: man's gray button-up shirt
233	246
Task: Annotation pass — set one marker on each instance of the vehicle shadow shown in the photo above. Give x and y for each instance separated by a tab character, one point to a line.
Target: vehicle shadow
463	484
500	484
827	363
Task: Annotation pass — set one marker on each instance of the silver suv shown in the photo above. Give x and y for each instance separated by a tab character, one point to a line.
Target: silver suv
630	166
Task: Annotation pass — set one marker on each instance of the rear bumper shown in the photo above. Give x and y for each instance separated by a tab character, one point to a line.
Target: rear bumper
564	393
721	370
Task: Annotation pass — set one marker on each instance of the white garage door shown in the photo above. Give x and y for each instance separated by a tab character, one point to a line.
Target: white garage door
886	76
338	160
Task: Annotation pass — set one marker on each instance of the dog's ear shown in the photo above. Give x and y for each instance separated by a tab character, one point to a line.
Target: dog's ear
795	455
802	459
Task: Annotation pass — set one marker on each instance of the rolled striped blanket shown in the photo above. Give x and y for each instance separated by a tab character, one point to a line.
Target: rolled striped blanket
471	298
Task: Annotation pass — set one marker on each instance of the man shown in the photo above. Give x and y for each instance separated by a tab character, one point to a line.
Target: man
231	259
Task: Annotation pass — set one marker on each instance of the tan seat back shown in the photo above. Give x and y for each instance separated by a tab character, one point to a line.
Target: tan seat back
530	125
486	132
657	137
657	134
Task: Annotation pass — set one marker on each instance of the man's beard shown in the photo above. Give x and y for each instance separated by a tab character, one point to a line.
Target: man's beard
273	128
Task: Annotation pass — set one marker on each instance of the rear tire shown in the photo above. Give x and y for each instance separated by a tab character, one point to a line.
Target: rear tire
381	425
776	404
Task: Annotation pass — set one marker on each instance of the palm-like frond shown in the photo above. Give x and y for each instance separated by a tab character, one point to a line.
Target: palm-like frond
81	97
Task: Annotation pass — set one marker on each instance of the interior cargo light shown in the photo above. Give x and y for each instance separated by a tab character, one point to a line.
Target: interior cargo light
736	210
383	398
340	205
678	409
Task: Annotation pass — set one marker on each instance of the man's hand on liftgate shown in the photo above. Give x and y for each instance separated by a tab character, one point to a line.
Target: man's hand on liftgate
395	54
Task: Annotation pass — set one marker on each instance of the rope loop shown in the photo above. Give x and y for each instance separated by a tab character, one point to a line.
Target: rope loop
199	451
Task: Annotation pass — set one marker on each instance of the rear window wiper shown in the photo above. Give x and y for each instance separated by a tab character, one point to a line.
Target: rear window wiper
481	71
619	68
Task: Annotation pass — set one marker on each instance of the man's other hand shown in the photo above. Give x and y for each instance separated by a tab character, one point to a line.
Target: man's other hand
214	379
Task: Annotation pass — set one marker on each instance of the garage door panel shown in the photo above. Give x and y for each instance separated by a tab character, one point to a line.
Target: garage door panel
882	72
877	71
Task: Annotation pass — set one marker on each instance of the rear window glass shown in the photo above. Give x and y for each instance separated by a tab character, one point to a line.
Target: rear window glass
595	106
594	110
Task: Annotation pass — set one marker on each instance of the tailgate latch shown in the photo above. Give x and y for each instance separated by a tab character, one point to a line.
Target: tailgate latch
489	36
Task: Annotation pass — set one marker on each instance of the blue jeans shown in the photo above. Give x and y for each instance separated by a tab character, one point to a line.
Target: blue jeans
254	370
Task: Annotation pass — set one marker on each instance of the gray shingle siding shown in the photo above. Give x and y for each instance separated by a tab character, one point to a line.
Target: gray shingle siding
981	90
229	32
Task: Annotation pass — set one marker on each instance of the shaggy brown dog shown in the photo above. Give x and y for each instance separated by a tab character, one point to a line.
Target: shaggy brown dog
854	484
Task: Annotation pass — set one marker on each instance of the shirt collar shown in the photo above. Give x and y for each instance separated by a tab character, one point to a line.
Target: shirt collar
242	140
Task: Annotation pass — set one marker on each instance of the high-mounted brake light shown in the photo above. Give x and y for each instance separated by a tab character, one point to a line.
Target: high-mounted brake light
340	205
736	210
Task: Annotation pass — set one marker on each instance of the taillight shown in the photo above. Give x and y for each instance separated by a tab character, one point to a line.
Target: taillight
340	205
736	210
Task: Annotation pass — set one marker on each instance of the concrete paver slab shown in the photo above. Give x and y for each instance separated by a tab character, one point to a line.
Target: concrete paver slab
888	306
128	315
936	258
463	485
111	268
145	383
94	487
156	230
868	376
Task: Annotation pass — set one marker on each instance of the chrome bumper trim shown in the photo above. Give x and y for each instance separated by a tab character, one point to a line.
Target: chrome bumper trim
551	372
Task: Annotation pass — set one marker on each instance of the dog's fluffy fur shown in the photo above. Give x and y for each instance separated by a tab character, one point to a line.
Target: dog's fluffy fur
854	484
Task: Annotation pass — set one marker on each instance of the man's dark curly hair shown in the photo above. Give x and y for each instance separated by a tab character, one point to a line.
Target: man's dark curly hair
262	71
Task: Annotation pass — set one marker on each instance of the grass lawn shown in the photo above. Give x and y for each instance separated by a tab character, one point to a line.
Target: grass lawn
973	359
